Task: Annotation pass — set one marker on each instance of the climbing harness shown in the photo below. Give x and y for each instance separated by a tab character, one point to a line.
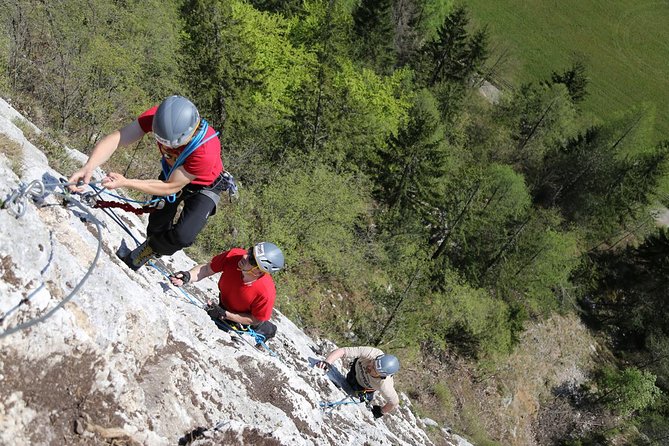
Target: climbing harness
230	185
16	205
93	198
243	329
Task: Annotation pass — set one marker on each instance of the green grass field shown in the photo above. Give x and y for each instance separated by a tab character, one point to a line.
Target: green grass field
624	44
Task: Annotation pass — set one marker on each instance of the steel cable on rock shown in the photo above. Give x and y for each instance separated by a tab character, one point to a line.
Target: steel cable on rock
67	197
17	199
27	299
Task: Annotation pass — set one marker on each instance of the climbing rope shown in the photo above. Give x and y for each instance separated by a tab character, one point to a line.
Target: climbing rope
165	273
26	300
17	207
111	214
128	200
328	406
16	203
114	217
93	200
259	338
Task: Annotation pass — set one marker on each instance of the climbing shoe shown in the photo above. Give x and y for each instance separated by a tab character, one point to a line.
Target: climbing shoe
136	258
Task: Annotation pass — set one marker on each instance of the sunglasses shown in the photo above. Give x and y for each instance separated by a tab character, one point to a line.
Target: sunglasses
251	258
182	141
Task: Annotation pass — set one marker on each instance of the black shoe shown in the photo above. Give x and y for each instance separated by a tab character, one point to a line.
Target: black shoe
128	261
136	258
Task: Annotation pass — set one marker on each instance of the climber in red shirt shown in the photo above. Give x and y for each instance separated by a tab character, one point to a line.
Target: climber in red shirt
192	173
246	288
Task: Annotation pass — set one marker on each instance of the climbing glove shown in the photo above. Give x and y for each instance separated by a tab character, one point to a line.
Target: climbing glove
215	311
376	411
184	276
323	365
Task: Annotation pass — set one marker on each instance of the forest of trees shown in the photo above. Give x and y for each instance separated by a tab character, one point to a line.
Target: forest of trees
414	214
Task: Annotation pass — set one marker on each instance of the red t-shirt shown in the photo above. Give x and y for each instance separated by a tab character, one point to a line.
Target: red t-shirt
205	163
256	298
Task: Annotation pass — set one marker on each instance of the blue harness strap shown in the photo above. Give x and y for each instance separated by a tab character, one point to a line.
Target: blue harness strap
195	142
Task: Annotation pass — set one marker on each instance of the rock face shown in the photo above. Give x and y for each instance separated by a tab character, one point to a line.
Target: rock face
129	359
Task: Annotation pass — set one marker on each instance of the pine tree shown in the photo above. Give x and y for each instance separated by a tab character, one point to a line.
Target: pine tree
575	79
373	28
414	160
539	118
218	65
455	55
598	183
287	7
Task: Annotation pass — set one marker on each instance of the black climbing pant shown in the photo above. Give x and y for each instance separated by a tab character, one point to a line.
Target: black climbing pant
165	236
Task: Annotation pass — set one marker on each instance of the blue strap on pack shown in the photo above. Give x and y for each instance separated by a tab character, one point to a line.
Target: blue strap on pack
195	142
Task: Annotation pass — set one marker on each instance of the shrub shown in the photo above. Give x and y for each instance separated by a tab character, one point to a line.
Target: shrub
626	391
13	151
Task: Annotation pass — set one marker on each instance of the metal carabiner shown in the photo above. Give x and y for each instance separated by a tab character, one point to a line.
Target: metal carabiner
89	198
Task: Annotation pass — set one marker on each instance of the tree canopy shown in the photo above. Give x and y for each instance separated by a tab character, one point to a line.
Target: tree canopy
412	212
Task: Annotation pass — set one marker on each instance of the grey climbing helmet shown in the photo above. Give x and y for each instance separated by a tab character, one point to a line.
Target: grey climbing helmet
268	257
175	121
386	365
